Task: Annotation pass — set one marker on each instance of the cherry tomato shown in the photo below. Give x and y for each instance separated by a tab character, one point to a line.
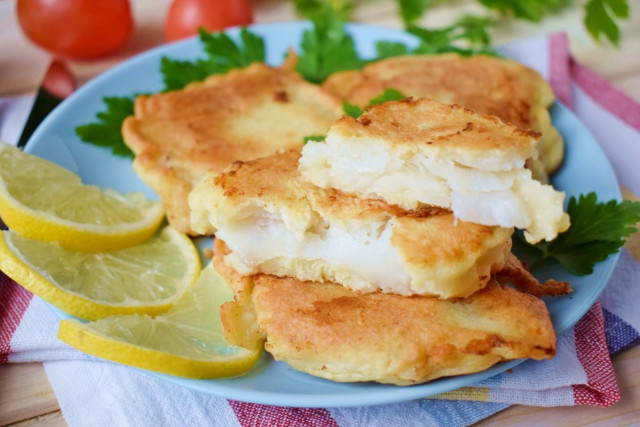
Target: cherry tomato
186	16
79	29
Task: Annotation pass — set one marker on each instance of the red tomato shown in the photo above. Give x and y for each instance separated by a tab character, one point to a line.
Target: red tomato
186	16
80	29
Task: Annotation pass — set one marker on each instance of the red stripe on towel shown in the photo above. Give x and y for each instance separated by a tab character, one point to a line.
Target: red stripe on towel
606	95
14	300
559	68
592	351
253	415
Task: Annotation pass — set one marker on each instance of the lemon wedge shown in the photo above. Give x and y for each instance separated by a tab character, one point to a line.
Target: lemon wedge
44	201
187	340
144	279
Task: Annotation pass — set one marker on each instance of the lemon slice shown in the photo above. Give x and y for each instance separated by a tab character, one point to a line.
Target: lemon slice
187	340
41	200
146	279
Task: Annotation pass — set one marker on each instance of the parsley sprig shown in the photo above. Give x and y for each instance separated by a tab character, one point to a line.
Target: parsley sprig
411	10
223	54
388	94
105	132
597	230
468	36
599	18
309	8
530	10
327	48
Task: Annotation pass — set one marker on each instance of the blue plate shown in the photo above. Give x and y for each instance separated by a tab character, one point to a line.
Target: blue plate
273	382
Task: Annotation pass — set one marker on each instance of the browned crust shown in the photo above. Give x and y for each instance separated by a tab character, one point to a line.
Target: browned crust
425	122
247	113
518	275
414	336
486	84
494	86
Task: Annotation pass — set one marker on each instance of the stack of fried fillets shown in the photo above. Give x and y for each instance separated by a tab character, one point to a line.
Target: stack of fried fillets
380	254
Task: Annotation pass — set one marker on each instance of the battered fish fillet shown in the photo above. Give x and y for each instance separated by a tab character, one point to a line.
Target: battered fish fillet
244	114
276	222
500	87
413	153
332	332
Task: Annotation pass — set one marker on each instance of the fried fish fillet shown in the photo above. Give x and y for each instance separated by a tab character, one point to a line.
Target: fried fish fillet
495	86
278	223
244	114
333	332
413	153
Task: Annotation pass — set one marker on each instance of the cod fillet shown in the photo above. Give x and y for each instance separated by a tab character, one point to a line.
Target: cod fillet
247	113
278	223
420	152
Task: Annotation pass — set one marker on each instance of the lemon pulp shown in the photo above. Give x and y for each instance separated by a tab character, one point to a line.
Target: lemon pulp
146	279
42	200
187	340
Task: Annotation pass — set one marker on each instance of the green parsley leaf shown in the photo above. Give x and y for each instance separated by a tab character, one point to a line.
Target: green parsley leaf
178	74
254	47
432	41
473	29
599	18
531	10
309	8
352	110
222	50
467	36
326	48
389	49
315	138
106	131
223	55
388	94
597	230
412	10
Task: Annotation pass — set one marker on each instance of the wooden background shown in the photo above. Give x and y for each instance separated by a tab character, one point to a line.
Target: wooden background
26	398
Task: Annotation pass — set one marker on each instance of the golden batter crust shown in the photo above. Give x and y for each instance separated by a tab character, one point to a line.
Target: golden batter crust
500	87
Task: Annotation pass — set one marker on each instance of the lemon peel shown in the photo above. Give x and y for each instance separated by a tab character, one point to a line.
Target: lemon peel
41	200
146	279
187	340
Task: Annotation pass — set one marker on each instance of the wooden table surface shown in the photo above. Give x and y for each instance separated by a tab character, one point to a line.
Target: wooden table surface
26	398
